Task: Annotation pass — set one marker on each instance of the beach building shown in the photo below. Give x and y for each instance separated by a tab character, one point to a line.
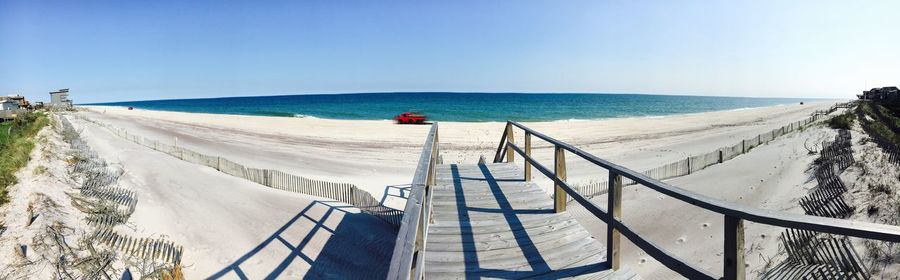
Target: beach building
9	104
19	99
881	94
60	99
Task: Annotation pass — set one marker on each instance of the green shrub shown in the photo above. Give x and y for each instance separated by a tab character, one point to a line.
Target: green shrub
842	121
16	142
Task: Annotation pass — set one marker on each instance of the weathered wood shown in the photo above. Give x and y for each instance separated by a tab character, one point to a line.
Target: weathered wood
774	218
734	248
614	211
510	139
559	195
527	153
411	240
731	210
517	234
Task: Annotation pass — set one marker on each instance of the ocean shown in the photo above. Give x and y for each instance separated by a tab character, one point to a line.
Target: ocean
464	107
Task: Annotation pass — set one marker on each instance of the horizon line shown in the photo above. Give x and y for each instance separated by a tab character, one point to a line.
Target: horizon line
454	92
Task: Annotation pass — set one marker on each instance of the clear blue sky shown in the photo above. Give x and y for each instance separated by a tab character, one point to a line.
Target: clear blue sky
134	50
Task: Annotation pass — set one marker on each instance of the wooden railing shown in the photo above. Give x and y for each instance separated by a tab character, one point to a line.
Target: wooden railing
409	250
735	214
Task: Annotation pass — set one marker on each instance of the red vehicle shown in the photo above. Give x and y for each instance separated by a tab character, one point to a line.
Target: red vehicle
410	118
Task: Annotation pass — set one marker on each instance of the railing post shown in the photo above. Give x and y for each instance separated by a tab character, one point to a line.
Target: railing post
498	157
734	248
614	212
527	154
510	153
689	165
559	172
419	251
433	160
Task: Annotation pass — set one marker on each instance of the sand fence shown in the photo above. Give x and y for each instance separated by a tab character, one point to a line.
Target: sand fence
699	162
343	192
821	255
107	205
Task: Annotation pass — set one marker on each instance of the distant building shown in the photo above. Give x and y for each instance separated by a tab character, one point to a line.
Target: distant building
20	99
7	103
60	99
881	94
39	105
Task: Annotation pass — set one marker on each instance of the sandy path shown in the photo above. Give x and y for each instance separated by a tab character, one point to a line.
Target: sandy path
230	226
379	156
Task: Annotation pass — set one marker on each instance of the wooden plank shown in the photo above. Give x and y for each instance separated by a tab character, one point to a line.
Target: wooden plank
553	239
503	240
498	226
513	257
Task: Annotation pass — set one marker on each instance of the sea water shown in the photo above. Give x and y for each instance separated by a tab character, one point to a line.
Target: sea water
465	107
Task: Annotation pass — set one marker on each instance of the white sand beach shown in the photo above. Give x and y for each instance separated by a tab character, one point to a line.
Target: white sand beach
233	228
380	156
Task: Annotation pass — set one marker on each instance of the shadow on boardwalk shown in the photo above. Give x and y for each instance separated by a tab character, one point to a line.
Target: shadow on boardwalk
506	229
356	246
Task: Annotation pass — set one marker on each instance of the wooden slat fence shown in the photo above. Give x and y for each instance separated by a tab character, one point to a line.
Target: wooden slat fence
118	204
343	192
698	162
145	248
812	254
817	256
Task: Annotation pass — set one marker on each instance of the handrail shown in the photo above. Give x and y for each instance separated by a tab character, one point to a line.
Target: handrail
734	213
409	248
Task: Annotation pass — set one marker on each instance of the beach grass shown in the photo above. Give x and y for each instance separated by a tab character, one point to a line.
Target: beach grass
16	143
842	121
882	118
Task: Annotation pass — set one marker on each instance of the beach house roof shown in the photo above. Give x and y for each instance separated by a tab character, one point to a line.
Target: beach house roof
883	93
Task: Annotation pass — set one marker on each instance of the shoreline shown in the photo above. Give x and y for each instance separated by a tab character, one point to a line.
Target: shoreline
378	156
814	103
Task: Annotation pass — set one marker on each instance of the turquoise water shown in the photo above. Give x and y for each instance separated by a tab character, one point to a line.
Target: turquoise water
467	107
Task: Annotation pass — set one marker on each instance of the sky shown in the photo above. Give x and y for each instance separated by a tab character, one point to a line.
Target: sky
145	50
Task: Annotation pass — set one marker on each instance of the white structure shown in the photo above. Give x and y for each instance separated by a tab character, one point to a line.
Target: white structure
9	104
60	99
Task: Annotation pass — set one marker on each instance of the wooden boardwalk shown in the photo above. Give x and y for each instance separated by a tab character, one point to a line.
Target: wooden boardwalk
489	223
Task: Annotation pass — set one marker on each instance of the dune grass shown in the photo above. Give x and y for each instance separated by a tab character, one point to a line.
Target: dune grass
842	121
882	119
16	143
